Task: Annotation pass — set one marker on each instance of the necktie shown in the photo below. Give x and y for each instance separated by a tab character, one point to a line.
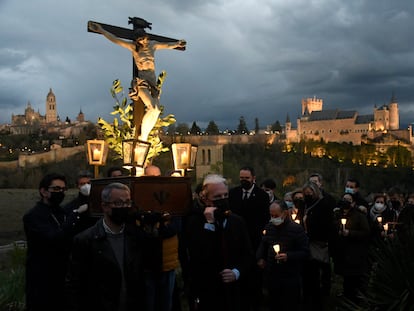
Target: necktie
245	195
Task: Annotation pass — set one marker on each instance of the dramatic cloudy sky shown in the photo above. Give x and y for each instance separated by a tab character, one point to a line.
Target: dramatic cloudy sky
251	58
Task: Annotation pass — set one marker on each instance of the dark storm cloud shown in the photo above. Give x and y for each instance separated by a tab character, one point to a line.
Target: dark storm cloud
241	60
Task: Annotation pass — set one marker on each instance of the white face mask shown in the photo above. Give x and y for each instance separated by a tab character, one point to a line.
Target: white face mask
85	189
379	207
277	221
349	190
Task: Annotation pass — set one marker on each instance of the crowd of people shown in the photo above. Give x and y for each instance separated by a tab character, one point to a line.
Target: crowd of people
241	248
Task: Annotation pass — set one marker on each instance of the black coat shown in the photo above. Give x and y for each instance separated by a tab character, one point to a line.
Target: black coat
212	251
49	233
293	241
254	211
95	277
319	221
350	253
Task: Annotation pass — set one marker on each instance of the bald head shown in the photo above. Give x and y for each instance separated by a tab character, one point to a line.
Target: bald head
152	170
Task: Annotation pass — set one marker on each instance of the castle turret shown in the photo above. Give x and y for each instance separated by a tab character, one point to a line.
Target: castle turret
394	114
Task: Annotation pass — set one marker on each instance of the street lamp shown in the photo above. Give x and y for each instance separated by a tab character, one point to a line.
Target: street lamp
97	151
135	153
184	156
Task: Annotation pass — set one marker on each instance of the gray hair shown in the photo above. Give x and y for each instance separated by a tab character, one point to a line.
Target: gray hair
214	179
107	191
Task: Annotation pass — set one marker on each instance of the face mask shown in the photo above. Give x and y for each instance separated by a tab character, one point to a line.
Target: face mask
344	204
379	207
222	207
289	204
270	194
222	204
308	198
395	204
245	184
349	190
119	215
56	198
276	221
85	189
299	202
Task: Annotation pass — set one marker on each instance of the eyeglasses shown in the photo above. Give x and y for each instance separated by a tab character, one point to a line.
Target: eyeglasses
121	203
57	189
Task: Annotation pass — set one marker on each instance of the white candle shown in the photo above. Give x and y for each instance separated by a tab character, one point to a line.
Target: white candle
294	215
276	248
343	222
184	158
297	221
96	155
386	228
379	218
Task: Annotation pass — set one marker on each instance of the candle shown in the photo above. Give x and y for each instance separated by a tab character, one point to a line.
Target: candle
138	154
343	222
276	248
184	158
96	156
386	228
294	215
379	219
297	221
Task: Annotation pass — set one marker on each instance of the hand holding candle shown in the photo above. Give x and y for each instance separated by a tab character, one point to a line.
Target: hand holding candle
276	248
343	222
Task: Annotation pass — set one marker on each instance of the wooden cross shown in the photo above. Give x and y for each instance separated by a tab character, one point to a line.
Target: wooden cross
130	34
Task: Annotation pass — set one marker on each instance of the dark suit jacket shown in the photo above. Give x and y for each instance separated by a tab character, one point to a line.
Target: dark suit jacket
254	211
95	278
212	251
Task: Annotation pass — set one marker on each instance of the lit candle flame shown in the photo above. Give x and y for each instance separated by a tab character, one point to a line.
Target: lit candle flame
276	248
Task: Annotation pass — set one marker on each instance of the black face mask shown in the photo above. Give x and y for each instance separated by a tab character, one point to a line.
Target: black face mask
344	205
245	184
395	204
120	215
299	203
56	198
308	199
222	207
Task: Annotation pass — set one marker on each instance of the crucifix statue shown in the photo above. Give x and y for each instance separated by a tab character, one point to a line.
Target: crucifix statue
145	91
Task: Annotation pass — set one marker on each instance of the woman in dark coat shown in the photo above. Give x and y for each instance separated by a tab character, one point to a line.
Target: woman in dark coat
351	247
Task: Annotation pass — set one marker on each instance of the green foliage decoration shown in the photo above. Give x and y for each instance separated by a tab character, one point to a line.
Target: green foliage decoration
122	127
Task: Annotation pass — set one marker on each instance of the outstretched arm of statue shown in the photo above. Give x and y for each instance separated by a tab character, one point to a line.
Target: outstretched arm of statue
169	45
96	27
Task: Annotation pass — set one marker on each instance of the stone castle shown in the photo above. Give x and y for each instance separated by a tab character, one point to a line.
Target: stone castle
345	126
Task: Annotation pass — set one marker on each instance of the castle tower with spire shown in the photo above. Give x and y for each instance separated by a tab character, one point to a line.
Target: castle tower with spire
51	113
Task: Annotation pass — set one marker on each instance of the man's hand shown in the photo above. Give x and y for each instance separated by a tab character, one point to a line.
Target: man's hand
228	276
281	257
209	214
83	208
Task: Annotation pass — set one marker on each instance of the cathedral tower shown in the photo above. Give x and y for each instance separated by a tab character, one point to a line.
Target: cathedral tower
51	114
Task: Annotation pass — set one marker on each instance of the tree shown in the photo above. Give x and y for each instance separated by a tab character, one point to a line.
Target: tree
276	127
242	127
182	129
212	128
256	126
123	128
195	129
